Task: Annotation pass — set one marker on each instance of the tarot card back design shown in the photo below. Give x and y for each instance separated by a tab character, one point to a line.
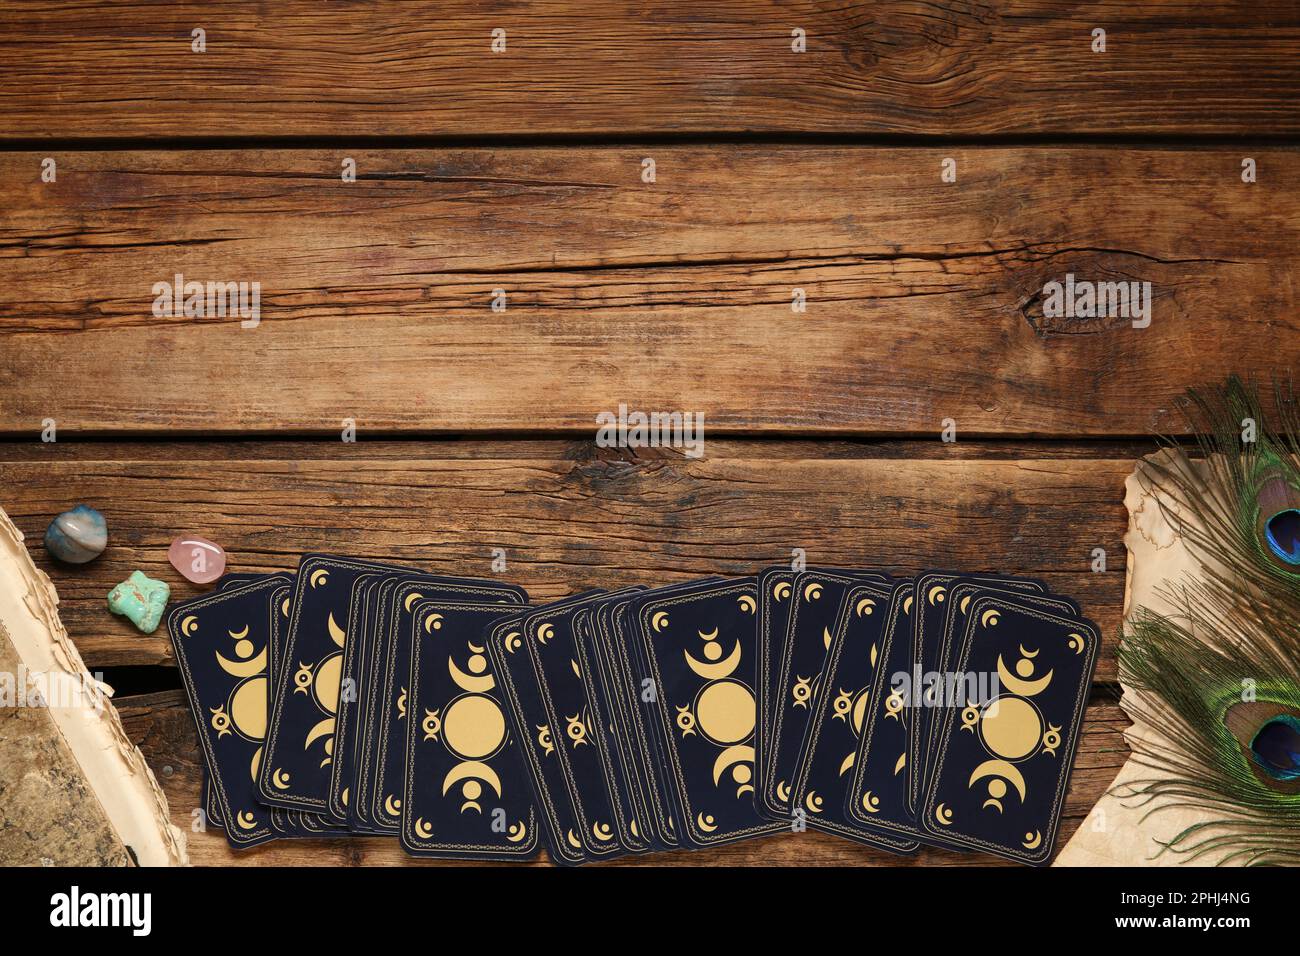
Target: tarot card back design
856	666
222	649
466	795
1004	764
699	646
816	604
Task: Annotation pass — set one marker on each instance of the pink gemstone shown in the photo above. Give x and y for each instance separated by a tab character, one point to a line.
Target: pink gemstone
198	559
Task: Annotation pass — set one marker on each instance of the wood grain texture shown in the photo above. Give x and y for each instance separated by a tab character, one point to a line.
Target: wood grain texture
924	299
571	516
125	69
163	727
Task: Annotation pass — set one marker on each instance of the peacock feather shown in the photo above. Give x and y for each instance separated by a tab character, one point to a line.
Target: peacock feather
1219	681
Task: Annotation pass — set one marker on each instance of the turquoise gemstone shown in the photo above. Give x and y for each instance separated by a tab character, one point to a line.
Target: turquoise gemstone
141	600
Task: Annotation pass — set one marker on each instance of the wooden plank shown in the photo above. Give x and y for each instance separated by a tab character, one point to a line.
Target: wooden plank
162	726
572	516
300	68
924	299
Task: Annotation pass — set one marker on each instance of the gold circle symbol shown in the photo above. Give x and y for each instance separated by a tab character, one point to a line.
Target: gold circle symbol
1011	727
248	708
725	712
474	727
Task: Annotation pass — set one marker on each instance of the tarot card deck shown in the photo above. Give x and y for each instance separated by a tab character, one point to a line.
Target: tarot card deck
355	697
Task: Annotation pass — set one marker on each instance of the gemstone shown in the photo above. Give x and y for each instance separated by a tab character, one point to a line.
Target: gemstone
77	536
141	600
197	559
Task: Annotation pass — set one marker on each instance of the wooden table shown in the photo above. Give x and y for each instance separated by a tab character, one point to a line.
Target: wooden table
524	171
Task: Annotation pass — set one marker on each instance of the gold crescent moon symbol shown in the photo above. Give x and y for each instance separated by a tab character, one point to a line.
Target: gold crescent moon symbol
284	607
573	840
866	606
337	634
965	603
411	599
943	815
848	762
659	621
545	633
935	595
907	604
990	618
747	603
709	636
280	779
814	802
1024	688
603	832
1032	841
471	770
999	768
189	625
1024	653
254	665
902	762
434	623
1076	642
511	641
480	684
517	832
718	670
781	591
323	729
238	635
812	592
783	792
245	820
422	829
738	753
870	802
392	806
705	822
319	577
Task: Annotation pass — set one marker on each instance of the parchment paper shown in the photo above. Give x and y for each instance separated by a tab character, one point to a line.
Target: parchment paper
1115	834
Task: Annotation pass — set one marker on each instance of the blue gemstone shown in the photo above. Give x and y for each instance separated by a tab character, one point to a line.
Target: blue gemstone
1283	534
1276	747
77	536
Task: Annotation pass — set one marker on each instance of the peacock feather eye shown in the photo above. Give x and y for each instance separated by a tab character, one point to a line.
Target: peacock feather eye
1276	747
1282	531
1269	736
1279	517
